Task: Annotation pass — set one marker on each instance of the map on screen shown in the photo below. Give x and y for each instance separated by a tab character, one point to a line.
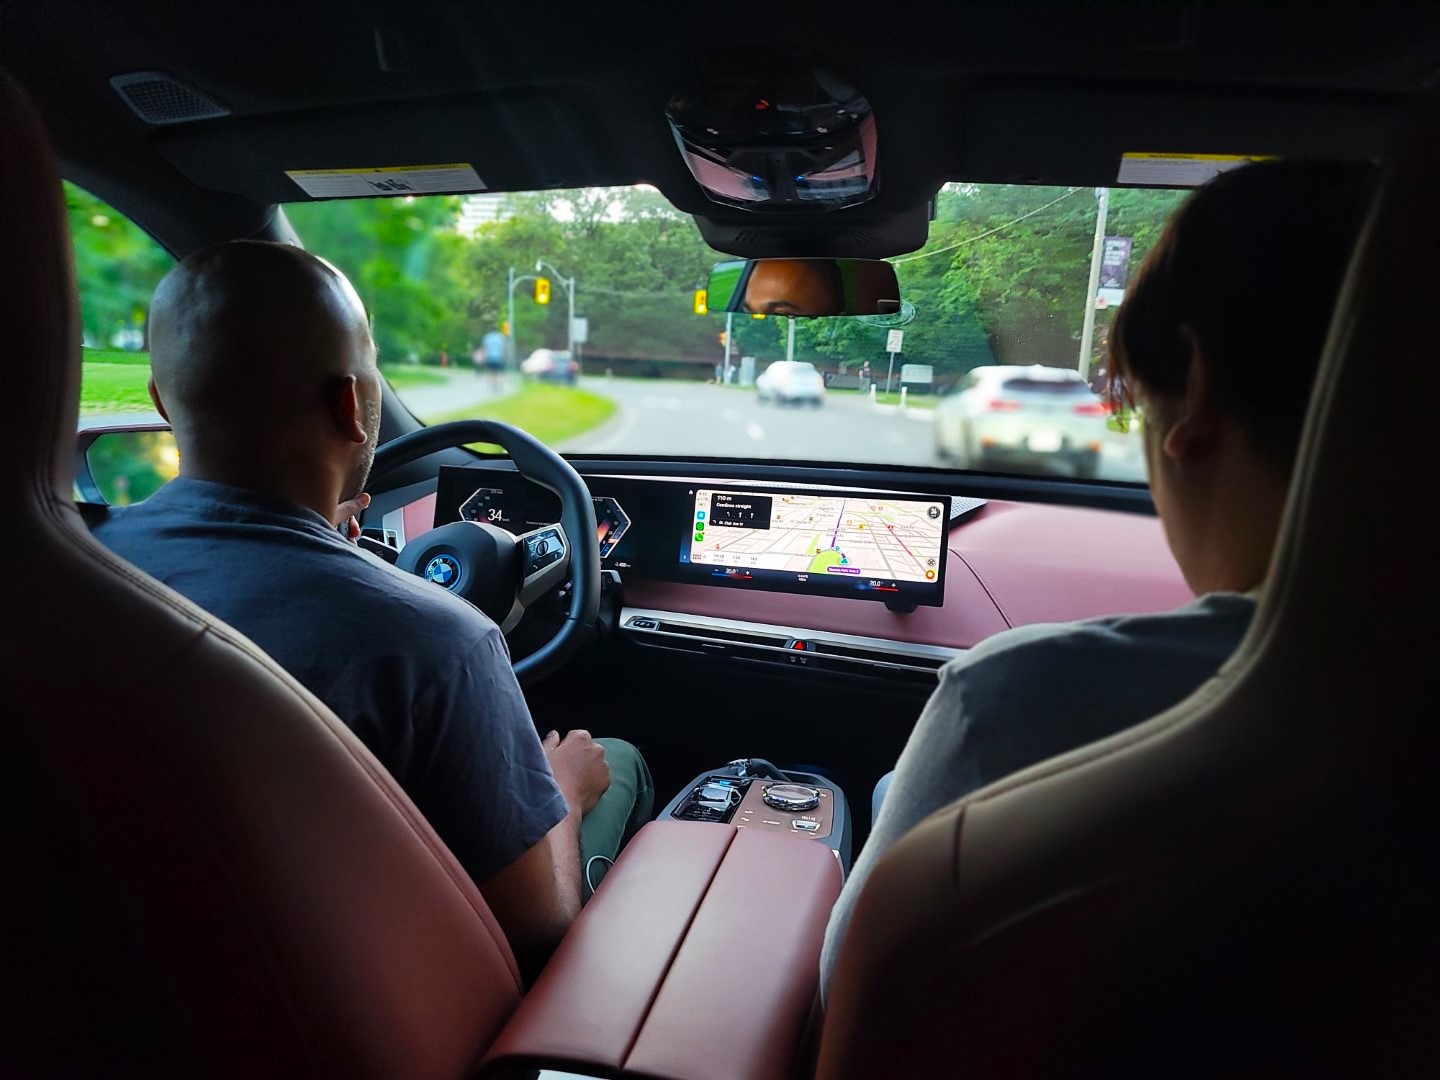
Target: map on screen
852	537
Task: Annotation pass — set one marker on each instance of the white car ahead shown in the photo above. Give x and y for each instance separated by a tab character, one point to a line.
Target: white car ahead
1022	416
791	382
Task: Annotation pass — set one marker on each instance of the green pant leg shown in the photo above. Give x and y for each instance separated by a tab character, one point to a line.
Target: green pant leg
628	803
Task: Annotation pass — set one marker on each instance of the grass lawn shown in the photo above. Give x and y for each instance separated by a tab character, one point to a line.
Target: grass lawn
408	376
114	388
552	414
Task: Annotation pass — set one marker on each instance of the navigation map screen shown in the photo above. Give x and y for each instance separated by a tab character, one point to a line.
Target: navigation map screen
871	545
851	544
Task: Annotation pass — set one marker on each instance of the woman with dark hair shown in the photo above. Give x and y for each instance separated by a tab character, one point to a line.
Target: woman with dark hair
1217	344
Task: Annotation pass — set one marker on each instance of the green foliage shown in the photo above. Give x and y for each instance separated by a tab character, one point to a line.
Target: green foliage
118	266
129	466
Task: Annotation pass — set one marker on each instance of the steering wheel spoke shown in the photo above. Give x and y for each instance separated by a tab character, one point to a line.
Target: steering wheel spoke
498	572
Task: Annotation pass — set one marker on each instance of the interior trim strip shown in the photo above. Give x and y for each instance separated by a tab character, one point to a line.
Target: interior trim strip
900	650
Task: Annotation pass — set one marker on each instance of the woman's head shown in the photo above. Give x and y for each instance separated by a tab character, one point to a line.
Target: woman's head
1219	340
1247	270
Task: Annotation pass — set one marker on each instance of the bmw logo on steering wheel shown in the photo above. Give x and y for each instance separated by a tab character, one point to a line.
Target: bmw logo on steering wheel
443	570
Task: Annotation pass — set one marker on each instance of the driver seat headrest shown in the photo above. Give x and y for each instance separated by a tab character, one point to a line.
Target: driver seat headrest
1246	884
206	872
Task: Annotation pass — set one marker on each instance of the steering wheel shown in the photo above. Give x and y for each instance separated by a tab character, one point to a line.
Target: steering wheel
500	573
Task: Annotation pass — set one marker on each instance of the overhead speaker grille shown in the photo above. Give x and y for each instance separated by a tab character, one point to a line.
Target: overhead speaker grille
158	98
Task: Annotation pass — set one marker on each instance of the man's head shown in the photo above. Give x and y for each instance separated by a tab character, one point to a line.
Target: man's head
795	287
262	360
1219	340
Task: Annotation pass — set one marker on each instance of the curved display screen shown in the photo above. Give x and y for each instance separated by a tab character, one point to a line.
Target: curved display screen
872	545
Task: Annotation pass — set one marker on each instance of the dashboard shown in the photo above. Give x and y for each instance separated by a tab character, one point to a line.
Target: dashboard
791	538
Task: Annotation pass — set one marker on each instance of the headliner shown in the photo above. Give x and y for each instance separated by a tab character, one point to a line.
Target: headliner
570	94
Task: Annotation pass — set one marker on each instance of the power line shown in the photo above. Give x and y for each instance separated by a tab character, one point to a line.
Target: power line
987	232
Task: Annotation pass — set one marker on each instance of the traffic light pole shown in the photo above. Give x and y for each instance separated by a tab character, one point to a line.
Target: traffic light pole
510	311
569	284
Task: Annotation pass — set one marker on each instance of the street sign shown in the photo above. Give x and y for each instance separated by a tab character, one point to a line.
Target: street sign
893	340
579	330
918	374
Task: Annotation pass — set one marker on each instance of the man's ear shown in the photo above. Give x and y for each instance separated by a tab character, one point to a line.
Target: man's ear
345	409
1196	422
155	399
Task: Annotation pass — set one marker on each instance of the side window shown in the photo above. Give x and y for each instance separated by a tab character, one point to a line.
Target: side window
118	266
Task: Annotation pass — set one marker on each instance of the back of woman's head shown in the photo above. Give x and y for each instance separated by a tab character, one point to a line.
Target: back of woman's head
1248	269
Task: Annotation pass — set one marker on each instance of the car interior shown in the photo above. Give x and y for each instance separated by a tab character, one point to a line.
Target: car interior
209	874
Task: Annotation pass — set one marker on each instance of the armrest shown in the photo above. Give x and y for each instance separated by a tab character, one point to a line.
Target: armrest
698	958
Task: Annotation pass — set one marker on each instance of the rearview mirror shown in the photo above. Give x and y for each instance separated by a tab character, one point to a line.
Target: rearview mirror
804	287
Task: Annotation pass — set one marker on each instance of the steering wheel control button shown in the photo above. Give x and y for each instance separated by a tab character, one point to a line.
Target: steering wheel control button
443	570
796	798
542	548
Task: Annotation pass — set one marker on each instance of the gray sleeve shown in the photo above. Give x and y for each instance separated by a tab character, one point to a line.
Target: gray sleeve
933	771
482	778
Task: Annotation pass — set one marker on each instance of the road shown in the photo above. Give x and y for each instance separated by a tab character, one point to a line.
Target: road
666	417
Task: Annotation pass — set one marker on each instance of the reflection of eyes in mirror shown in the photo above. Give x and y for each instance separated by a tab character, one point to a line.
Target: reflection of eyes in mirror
805	287
794	287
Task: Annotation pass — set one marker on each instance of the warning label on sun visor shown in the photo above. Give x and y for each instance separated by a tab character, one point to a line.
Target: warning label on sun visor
1178	170
400	180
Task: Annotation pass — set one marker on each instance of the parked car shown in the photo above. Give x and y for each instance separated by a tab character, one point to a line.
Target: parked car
1022	417
791	382
551	365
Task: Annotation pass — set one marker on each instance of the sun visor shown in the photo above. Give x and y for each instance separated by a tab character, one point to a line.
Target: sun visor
1078	134
518	143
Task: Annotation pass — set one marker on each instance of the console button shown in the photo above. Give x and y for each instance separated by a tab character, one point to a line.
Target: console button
804	825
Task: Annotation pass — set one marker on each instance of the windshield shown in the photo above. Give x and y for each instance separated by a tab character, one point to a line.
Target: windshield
579	315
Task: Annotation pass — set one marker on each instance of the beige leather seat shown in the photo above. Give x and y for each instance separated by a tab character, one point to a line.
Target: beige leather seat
1246	885
201	871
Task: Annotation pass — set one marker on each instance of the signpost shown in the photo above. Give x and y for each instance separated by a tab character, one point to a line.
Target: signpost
919	374
893	340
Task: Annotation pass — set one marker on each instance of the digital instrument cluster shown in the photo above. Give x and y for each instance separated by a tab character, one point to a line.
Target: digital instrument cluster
799	539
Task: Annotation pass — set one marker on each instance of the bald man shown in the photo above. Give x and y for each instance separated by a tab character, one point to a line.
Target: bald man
262	361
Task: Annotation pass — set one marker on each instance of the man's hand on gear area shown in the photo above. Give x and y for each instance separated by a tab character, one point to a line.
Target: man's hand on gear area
580	768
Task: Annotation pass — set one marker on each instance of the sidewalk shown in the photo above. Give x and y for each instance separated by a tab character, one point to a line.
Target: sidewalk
463	389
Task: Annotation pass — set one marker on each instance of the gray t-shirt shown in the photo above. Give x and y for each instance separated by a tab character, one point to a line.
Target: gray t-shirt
423	678
1036	692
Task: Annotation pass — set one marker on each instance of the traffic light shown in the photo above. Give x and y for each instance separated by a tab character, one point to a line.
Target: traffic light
542	290
757	315
701	307
723	338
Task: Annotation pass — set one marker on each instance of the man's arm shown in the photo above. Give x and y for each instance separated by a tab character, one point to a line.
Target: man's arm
537	897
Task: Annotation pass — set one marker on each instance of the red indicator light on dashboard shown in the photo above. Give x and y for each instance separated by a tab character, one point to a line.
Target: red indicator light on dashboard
799	646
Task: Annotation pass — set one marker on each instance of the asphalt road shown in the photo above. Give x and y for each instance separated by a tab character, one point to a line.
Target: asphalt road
681	418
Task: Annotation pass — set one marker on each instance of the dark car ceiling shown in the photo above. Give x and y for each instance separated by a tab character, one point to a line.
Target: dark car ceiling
569	94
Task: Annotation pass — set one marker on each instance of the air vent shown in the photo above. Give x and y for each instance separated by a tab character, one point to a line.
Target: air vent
799	650
158	98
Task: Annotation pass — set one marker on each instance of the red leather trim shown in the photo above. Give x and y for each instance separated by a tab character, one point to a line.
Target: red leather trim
418	516
735	1003
1058	563
698	957
591	999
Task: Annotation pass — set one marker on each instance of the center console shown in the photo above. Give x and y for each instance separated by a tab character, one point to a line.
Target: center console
753	794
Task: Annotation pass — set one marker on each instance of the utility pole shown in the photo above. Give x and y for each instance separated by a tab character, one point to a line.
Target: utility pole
1087	335
790	339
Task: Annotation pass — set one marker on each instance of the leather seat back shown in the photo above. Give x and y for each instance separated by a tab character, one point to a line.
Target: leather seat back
1245	885
205	872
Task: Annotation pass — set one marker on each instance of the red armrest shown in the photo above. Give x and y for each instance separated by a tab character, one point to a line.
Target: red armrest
698	958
